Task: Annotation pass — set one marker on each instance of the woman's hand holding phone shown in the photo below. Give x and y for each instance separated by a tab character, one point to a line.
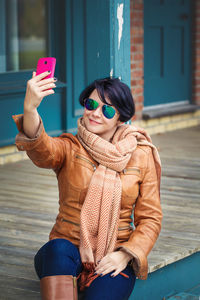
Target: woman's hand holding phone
39	86
37	89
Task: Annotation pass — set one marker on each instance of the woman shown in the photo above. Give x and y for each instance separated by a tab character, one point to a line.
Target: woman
104	173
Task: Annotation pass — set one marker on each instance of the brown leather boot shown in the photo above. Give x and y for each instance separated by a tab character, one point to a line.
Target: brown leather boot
59	287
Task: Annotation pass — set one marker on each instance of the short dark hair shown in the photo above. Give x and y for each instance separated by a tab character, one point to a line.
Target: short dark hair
117	92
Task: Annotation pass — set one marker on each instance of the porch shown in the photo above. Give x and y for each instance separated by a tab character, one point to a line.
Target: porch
28	200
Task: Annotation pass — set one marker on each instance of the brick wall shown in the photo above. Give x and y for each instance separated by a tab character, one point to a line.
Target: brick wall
196	53
137	61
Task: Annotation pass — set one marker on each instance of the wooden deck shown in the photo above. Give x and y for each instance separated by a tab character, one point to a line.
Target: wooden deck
28	207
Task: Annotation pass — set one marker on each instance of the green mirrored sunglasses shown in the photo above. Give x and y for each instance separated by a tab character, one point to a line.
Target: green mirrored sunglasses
108	110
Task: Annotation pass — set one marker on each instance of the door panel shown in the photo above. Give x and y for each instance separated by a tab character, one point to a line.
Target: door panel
87	39
166	51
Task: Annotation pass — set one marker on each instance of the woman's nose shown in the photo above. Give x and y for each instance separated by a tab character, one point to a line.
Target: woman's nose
97	112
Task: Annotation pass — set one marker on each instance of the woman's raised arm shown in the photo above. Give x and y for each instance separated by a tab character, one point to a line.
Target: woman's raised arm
37	89
43	150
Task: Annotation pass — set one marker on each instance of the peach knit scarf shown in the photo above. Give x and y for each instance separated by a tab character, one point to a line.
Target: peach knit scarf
100	212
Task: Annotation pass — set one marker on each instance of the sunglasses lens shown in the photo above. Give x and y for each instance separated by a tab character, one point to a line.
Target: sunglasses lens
91	104
108	111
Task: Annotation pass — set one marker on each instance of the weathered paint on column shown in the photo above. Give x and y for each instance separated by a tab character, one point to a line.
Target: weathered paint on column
120	39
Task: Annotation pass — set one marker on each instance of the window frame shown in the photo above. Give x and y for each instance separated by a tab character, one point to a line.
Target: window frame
15	81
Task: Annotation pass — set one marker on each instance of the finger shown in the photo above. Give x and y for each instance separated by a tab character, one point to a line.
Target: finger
41	76
104	267
46	81
47	93
115	273
107	271
103	261
47	86
34	74
102	264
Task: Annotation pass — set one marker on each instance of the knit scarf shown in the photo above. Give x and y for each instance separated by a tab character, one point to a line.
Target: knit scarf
100	212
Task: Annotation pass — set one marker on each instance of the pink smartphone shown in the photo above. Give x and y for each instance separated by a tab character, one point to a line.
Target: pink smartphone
46	64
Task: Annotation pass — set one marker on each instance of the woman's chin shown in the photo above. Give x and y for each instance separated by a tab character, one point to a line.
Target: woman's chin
93	129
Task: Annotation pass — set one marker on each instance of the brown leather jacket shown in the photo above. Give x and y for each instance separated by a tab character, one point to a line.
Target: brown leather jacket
74	168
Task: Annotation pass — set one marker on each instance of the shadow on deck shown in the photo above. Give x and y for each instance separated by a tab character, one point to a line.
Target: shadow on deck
29	205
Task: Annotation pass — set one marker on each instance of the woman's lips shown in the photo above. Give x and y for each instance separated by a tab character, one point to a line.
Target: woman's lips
94	122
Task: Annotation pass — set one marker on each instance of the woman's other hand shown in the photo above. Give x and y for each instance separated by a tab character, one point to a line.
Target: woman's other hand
37	89
115	261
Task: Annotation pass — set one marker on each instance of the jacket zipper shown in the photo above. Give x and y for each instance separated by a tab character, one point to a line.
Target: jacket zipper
87	160
124	228
125	171
64	220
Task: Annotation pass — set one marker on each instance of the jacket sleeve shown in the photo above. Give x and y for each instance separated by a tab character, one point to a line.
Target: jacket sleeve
43	150
147	220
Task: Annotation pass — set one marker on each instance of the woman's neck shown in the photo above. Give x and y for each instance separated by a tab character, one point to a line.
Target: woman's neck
108	136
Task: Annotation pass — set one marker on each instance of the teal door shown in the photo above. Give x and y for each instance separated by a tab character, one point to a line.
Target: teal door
167	51
94	48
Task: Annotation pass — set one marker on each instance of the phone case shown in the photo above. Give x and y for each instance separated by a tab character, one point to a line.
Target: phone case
46	64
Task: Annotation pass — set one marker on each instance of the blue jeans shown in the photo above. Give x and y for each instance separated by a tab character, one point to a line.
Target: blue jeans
61	257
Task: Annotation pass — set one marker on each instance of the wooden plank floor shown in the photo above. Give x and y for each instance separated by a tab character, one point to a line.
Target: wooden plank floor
29	204
180	196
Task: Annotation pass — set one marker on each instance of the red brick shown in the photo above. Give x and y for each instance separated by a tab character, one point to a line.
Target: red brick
138	47
138	30
197	73
196	52
132	56
197	23
137	22
196	82
196	89
138	6
137	82
138	73
197	44
138	62
138	18
138	100
133	82
195	69
138	13
197	59
140	65
133	48
134	66
139	90
138	40
137	1
138	57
